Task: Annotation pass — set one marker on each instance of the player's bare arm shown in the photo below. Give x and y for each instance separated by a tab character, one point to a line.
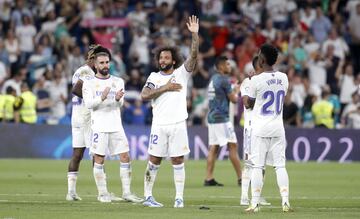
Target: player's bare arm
193	27
248	102
77	88
149	93
233	96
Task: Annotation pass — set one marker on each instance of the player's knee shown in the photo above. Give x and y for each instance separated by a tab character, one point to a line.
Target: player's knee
177	160
124	157
77	157
232	147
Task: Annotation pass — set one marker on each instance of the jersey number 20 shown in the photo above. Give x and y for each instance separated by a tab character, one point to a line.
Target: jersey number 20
272	97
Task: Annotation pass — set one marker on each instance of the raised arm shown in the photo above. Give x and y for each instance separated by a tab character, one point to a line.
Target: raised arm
193	27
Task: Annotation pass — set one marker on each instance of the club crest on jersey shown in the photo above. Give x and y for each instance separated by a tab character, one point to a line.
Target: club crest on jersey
97	85
113	85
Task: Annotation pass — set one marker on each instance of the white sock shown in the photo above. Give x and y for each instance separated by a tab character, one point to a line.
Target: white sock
72	178
283	183
149	178
125	176
256	185
246	175
179	179
100	178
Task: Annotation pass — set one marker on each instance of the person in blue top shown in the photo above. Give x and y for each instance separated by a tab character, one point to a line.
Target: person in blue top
221	130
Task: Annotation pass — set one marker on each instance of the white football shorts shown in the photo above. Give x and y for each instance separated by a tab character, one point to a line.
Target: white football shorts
221	134
267	151
81	136
169	140
112	143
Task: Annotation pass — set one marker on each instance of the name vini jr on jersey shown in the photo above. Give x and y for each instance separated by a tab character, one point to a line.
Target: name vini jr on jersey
274	81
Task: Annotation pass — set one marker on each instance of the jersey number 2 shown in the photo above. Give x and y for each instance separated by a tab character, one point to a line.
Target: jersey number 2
272	97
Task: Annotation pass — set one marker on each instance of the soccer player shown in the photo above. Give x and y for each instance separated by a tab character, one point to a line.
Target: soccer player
80	123
167	89
246	173
221	130
104	95
266	97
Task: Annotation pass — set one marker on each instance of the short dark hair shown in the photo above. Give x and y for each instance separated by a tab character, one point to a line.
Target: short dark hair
254	61
270	53
220	60
176	56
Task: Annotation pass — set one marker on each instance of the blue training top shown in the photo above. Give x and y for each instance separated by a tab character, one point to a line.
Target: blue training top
218	90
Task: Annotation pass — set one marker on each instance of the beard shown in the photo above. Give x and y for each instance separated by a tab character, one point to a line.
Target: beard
104	71
166	68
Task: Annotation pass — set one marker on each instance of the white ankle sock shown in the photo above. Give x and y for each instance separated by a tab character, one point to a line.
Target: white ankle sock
283	183
256	185
149	178
245	183
100	178
125	176
72	178
179	179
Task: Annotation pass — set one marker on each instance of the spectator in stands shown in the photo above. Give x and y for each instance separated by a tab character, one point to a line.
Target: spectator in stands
323	111
58	94
340	46
9	100
350	107
25	106
354	29
26	33
41	90
15	81
13	49
321	26
354	119
345	76
305	112
291	115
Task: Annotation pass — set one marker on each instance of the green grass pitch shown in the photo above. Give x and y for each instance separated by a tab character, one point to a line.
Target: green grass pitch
36	189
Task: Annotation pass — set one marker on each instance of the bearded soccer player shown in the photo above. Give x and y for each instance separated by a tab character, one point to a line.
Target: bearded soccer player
168	90
104	95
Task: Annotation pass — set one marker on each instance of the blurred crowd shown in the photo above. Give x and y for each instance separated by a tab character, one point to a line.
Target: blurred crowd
43	42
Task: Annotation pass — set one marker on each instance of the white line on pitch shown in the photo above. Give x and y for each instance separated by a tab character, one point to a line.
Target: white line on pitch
197	197
195	206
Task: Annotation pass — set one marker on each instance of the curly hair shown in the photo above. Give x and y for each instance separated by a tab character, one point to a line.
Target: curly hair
270	53
91	52
175	53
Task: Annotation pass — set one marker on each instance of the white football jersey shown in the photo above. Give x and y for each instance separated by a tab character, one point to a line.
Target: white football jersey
170	107
244	90
269	90
105	115
80	115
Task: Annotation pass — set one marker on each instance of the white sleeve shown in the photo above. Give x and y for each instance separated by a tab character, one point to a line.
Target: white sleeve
185	72
252	88
245	87
150	82
90	101
286	84
121	86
